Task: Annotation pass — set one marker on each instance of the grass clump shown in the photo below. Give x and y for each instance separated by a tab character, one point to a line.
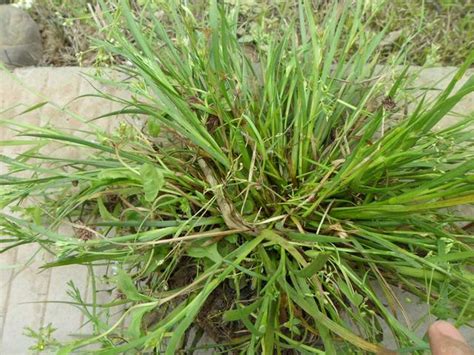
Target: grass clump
266	197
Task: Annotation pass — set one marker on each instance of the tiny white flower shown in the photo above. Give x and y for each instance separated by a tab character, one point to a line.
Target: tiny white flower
24	4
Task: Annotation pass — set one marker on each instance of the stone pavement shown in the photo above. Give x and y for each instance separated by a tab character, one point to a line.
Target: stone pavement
24	288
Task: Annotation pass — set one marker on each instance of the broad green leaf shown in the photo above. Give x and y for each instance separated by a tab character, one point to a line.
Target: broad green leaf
241	312
126	286
152	180
134	329
209	251
119	173
35	213
104	212
154	127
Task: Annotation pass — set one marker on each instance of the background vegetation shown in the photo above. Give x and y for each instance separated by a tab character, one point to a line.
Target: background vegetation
443	29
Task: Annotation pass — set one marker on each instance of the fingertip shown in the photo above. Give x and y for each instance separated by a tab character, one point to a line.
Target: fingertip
446	329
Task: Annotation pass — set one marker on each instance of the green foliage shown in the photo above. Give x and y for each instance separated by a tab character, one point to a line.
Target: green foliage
152	180
44	338
441	32
287	184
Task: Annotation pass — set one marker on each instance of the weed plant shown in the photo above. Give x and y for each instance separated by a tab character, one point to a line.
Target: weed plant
271	197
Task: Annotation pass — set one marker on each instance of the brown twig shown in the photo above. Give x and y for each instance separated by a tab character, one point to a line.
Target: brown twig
232	218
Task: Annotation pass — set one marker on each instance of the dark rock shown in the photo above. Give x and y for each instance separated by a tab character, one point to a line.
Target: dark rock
20	39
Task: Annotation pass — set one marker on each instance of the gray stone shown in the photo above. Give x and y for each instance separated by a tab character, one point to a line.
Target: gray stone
20	39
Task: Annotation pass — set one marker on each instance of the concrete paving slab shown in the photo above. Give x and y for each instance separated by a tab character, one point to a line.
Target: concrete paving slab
437	79
22	309
24	287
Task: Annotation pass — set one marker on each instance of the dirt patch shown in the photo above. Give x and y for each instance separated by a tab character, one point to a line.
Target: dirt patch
210	318
66	40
